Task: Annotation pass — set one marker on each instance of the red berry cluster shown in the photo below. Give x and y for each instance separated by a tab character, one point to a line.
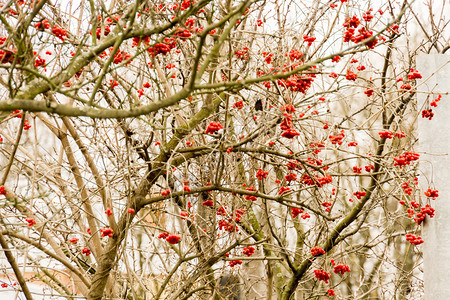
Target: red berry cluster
41	26
359	194
2	190
249	251
341	268
369	168
337	139
59	32
162	48
351	22
289	108
294	54
349	34
297	83
357	169
30	222
316	251
39	62
222	211
250	197
316	146
238	105
406	188
367	16
239	213
163	235
106	31
351	75
435	101
386	134
406	159
26	125
368	92
290	133
235	262
113	83
406	86
296	211
186	187
433	194
261	174
173	239
319	181
121	56
213	127
309	39
327	205
413	239
322	275
414	74
293	164
242	54
107	232
283	189
364	34
291	177
424	211
209	203
427	114
165	193
286	124
268	57
140	93
7	56
336	58
183	33
227	226
108	211
333	75
86	251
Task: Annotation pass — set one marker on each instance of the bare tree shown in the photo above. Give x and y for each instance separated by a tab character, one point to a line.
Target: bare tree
213	149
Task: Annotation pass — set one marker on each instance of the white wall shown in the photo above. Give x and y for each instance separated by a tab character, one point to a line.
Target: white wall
434	149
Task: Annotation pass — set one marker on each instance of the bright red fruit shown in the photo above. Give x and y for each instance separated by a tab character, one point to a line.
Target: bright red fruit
173	239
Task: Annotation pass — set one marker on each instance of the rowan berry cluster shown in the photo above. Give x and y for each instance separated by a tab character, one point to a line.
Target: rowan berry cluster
322	275
248	251
385	134
341	268
316	251
337	139
416	240
106	232
283	189
296	211
433	194
261	174
359	194
233	263
406	159
213	127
